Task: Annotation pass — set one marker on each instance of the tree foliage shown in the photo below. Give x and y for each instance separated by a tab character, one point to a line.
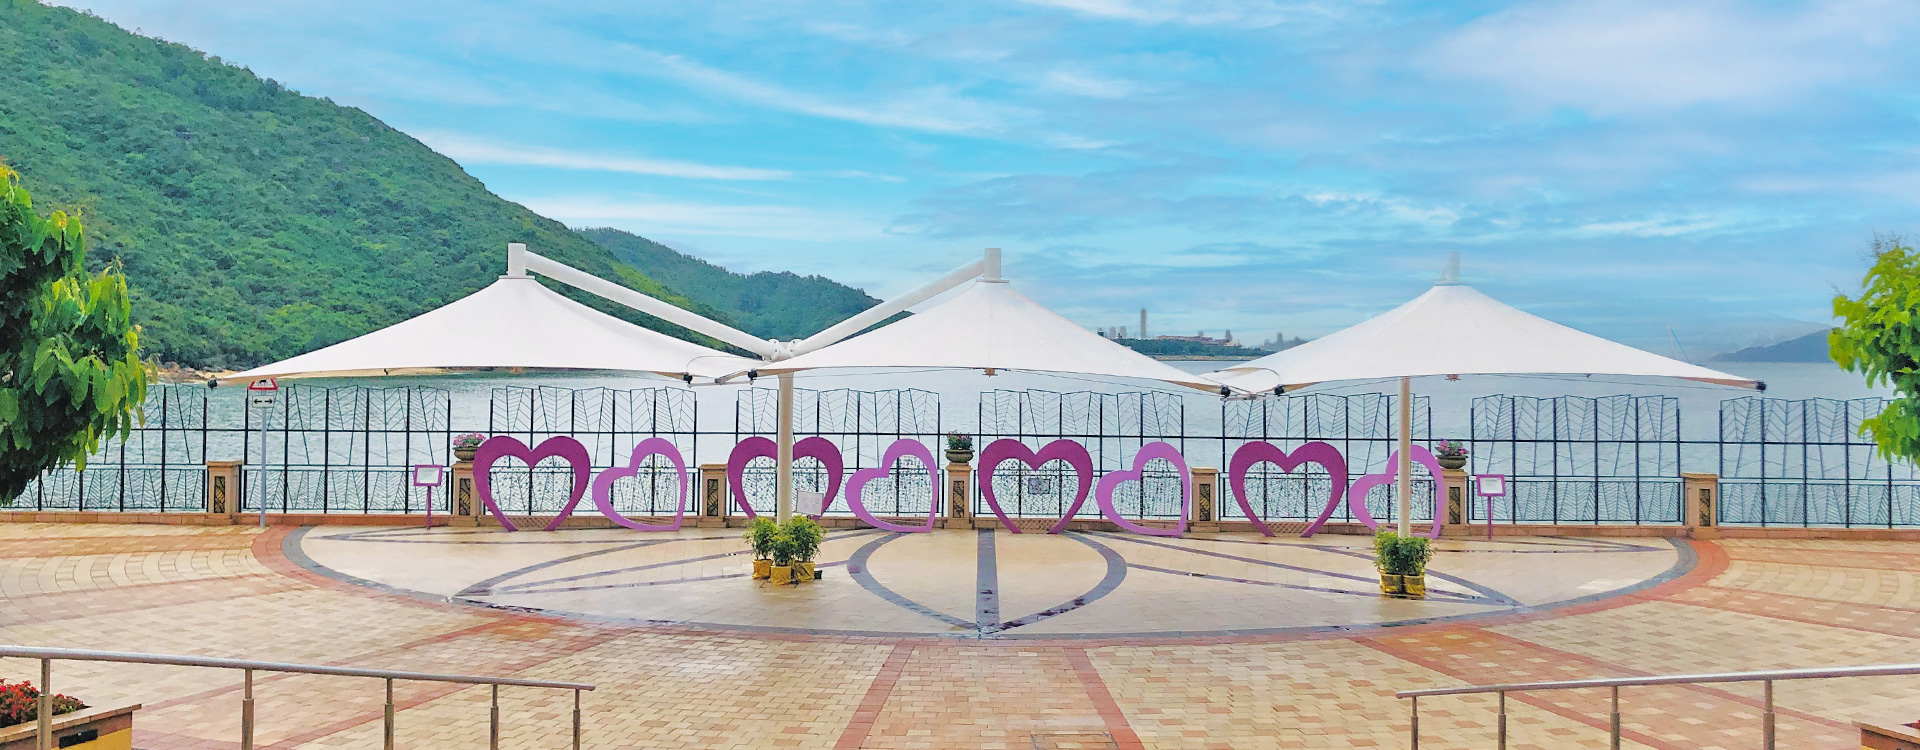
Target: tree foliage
1879	337
70	370
257	223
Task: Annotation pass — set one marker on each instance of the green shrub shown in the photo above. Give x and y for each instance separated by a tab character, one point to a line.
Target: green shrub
1401	555
761	537
803	538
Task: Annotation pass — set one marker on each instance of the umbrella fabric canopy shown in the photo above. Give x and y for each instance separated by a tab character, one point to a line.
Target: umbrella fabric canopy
512	323
1456	330
990	326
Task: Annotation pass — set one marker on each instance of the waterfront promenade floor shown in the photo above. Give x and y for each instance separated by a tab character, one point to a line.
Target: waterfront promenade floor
957	638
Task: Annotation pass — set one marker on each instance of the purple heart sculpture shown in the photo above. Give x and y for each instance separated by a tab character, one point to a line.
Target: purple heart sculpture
1257	452
1357	494
502	446
1148	452
900	449
1006	449
603	486
755	447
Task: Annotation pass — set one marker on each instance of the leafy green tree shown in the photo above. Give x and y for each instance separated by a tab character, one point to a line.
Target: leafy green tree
70	369
1879	336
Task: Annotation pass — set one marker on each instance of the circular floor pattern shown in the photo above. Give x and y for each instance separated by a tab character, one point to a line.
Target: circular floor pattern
984	583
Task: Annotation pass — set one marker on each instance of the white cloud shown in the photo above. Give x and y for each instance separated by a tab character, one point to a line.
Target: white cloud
662	217
469	150
936	110
1622	56
1192	12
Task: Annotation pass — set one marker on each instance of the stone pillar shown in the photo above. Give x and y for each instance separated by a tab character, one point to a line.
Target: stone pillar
714	508
1457	494
223	488
466	505
1701	510
959	500
1206	491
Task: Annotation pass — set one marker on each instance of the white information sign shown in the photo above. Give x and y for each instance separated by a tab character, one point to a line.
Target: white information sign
809	503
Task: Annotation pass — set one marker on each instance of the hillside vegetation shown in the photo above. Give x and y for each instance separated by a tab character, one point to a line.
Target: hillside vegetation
781	305
256	223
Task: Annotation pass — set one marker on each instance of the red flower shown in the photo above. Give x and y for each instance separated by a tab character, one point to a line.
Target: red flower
20	703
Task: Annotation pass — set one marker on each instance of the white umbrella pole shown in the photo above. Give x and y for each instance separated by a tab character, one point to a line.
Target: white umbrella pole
1406	455
783	482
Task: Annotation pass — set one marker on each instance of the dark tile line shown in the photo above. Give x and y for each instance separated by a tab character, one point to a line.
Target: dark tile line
986	602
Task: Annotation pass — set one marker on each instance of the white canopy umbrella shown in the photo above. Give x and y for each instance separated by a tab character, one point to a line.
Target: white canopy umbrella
1453	330
512	323
989	326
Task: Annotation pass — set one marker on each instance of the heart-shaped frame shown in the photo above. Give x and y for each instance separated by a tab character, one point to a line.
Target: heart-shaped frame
502	446
1253	453
754	447
1157	449
900	449
1073	453
1357	494
603	485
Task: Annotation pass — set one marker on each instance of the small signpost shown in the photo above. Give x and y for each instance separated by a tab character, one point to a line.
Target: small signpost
261	393
428	476
809	503
1490	486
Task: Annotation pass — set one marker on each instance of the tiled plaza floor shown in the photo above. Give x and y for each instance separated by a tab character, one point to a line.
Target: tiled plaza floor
1184	672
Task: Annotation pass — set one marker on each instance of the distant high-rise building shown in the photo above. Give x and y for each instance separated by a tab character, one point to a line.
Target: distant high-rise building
1143	322
1123	332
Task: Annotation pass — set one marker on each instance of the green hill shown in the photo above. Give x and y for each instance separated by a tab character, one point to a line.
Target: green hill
1809	348
772	305
256	223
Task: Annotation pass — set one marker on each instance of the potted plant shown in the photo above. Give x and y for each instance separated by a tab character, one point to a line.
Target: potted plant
803	542
959	447
466	444
1452	454
782	551
760	537
74	727
1402	561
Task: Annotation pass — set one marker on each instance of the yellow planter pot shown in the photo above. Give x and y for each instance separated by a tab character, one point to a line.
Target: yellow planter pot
1415	586
762	569
803	571
782	574
86	729
1392	585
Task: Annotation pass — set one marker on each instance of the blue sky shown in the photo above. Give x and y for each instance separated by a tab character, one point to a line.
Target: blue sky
1623	166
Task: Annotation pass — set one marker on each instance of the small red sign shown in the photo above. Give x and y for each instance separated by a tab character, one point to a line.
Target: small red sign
263	384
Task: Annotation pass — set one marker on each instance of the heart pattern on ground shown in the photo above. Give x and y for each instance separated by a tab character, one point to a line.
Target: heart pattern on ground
603	486
754	447
1357	494
1113	479
502	446
900	449
1005	449
1258	452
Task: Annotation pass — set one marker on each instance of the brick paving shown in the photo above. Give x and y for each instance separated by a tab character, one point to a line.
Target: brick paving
227	591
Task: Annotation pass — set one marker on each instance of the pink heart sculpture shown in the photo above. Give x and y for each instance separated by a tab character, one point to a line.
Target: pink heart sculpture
1357	494
900	449
755	447
1069	451
1257	452
502	446
603	486
1148	452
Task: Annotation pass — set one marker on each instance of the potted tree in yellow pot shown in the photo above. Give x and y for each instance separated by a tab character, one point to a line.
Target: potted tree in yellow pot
760	536
1402	561
803	542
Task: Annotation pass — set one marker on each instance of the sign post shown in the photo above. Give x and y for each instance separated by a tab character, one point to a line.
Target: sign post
428	476
1490	486
261	393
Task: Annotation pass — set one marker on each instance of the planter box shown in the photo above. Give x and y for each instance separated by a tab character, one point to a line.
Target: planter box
1888	736
85	729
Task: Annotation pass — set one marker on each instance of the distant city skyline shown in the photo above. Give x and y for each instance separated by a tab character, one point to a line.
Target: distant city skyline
1627	167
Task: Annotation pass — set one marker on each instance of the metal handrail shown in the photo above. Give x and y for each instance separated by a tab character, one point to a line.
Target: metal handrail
47	656
1613	684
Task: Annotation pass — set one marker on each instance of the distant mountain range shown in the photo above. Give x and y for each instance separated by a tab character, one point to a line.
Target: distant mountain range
256	223
1809	348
